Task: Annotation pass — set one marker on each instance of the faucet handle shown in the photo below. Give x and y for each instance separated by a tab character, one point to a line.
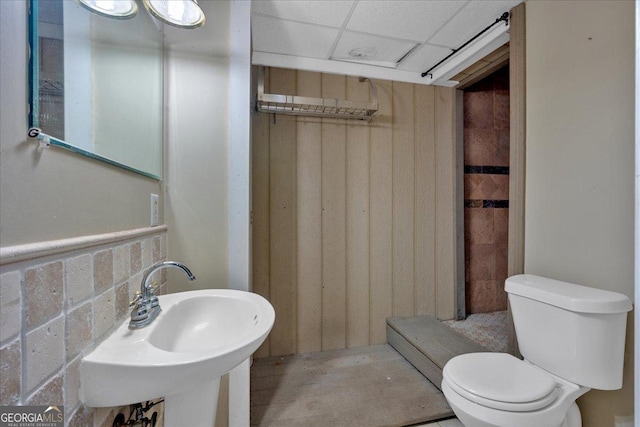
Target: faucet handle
136	297
153	298
153	288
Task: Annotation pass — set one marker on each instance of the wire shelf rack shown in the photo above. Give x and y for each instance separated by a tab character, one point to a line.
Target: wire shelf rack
316	107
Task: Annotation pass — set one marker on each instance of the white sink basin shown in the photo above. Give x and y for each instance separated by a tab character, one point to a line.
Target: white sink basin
197	337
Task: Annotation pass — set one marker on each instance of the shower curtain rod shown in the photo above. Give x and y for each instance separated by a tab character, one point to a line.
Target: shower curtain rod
504	17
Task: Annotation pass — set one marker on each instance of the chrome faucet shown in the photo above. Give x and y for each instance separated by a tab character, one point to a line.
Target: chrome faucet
146	306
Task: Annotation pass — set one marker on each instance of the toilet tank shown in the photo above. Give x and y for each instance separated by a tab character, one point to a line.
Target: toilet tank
573	331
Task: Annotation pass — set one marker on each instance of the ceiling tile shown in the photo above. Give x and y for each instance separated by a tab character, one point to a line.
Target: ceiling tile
410	20
472	19
424	58
324	12
292	38
366	47
385	29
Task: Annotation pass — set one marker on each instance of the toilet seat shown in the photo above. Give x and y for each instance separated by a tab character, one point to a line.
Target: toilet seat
500	381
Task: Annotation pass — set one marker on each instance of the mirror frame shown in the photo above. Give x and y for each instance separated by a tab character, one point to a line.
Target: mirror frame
33	77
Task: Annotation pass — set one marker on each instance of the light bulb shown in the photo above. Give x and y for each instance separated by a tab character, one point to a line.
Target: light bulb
118	9
179	13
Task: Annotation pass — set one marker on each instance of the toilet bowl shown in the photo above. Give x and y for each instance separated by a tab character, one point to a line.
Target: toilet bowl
572	339
499	390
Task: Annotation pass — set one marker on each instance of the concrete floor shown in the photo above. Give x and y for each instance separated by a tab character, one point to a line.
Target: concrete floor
453	422
367	386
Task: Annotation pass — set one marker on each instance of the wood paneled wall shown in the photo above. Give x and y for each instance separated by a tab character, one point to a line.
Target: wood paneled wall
353	222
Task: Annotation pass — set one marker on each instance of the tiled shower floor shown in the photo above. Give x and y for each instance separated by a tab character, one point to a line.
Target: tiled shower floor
487	329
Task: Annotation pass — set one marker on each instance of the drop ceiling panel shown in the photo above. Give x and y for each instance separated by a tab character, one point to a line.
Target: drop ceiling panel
322	12
409	20
292	38
366	47
426	54
472	19
319	35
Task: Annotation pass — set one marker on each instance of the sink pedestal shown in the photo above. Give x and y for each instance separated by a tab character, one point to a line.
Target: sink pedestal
195	407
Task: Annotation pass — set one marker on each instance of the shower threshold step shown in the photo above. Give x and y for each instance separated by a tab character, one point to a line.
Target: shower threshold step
428	344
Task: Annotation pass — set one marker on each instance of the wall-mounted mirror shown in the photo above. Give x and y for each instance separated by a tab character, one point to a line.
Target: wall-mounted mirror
96	84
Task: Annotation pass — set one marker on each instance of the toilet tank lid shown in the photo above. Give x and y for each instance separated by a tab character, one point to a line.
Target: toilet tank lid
569	296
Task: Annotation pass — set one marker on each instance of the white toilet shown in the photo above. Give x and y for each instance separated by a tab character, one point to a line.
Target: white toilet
572	339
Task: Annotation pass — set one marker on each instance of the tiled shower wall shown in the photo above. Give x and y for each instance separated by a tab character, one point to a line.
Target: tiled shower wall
55	309
486	192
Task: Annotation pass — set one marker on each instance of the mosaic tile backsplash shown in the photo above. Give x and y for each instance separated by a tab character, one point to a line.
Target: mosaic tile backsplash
56	308
486	192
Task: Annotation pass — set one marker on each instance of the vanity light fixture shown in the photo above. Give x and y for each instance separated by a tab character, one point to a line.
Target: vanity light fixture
118	9
179	13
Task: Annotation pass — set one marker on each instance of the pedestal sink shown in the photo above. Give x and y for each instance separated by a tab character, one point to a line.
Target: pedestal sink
197	337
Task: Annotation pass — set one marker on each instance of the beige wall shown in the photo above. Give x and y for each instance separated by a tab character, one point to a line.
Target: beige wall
196	167
53	193
56	194
353	223
580	158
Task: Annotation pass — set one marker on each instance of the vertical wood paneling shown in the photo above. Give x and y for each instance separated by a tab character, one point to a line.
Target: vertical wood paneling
357	222
445	204
260	210
333	221
403	199
517	142
282	185
380	229
309	190
459	268
517	152
425	196
353	223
